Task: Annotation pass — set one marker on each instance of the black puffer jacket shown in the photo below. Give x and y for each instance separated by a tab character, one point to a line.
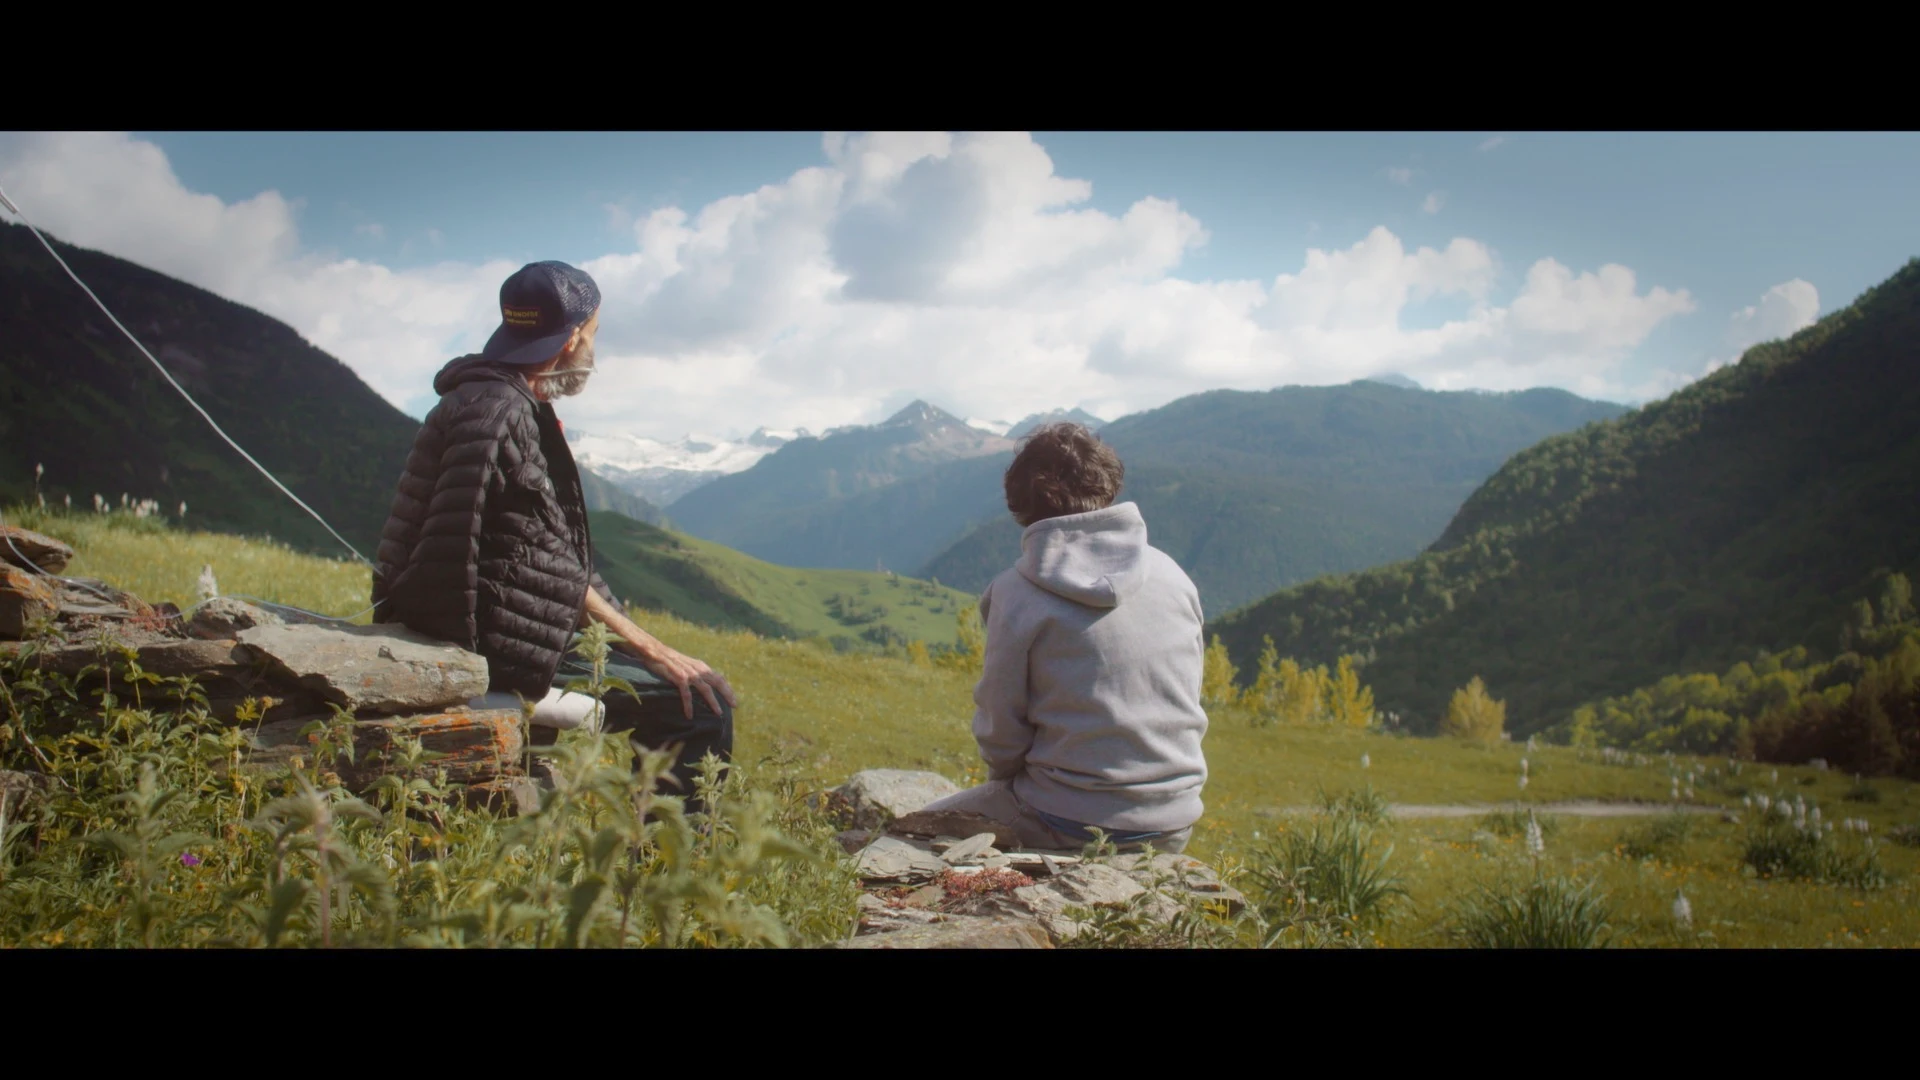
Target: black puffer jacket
487	546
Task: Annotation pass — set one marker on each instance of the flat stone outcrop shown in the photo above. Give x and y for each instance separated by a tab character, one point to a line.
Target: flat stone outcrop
964	891
872	799
223	617
390	684
28	549
370	669
25	600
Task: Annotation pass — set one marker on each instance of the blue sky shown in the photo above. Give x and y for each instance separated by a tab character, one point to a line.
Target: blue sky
424	219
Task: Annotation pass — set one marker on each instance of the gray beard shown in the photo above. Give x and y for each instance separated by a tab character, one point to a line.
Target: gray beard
571	379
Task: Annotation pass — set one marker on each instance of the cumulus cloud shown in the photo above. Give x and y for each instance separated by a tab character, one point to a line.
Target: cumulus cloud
1434	199
1784	310
959	268
373	229
1400	175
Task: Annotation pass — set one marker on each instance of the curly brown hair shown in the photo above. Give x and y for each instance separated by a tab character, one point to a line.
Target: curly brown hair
1062	469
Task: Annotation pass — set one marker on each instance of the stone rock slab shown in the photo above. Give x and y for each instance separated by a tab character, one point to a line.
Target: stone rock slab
875	797
19	789
1090	885
933	823
21	547
973	849
890	858
24	601
223	617
371	669
483	748
959	932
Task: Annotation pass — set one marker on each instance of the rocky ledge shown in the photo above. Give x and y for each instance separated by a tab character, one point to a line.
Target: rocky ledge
391	683
956	881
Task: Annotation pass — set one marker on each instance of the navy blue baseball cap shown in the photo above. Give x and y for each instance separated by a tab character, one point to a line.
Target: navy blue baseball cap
541	306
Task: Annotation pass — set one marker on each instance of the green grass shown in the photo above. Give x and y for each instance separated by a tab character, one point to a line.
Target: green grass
694	579
162	564
709	583
823	717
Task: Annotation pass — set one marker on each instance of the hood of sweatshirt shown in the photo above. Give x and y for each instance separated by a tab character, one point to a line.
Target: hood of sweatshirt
1097	558
474	368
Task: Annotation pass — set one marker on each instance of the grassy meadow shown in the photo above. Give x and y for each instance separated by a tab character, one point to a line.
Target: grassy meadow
812	717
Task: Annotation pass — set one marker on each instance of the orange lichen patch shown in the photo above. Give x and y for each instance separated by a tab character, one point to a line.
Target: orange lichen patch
477	745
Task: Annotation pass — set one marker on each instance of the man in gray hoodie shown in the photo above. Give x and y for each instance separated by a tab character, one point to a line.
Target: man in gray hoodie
1089	705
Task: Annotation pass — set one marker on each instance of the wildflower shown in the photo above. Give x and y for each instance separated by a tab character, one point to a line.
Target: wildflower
38	472
1536	844
187	858
69	502
1682	911
1746	801
183	508
1523	766
1365	762
1689	792
208	587
1523	781
1815	815
1776	776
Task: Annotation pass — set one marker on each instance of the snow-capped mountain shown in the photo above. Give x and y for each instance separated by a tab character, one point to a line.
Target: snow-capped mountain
1013	429
661	471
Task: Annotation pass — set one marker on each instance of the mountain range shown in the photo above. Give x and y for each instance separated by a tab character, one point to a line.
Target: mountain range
1746	513
1248	491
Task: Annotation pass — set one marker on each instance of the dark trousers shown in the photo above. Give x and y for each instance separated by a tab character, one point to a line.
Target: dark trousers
656	720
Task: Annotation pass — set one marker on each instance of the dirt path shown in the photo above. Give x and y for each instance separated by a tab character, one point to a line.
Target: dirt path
1578	808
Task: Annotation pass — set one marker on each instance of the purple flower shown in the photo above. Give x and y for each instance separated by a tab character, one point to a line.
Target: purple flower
189	859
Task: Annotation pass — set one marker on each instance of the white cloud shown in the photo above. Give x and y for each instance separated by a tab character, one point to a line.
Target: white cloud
958	268
1432	205
1783	311
373	229
1492	143
1400	175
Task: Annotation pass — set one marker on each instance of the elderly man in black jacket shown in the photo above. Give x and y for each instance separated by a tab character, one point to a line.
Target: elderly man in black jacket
487	544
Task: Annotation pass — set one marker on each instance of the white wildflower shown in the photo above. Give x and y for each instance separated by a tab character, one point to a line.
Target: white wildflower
1523	782
183	508
1366	762
1689	792
1523	766
69	502
1682	911
1815	815
208	587
1536	843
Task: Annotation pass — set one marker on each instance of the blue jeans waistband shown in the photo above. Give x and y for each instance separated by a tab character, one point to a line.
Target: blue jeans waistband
1081	829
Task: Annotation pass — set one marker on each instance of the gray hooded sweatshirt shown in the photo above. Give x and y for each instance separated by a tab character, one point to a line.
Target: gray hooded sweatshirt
1090	698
